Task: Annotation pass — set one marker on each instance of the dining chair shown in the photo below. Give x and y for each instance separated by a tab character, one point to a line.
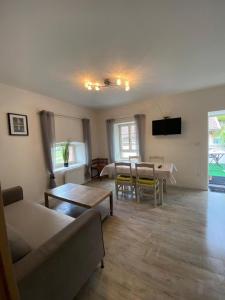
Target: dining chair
159	160
124	181
97	165
146	182
134	158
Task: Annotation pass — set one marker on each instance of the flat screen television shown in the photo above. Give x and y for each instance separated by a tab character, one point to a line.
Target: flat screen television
166	126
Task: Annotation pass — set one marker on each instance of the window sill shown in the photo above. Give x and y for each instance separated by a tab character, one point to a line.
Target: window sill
71	167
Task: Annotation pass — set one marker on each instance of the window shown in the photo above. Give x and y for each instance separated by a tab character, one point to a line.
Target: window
76	154
127	140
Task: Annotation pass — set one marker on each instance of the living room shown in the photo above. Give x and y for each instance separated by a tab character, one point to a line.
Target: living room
73	61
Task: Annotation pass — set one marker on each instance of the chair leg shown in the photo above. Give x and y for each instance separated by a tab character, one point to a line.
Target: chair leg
154	196
122	190
164	186
138	194
116	186
158	192
132	191
135	191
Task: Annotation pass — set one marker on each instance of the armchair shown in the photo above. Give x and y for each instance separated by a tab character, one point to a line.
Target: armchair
97	165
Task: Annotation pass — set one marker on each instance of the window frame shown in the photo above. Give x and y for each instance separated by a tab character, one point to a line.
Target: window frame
121	150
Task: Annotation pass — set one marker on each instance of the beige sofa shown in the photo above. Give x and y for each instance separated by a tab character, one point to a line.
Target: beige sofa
60	252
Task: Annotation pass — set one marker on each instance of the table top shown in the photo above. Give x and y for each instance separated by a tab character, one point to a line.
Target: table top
165	171
82	195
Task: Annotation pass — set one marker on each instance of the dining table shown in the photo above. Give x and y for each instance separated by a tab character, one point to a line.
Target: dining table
163	171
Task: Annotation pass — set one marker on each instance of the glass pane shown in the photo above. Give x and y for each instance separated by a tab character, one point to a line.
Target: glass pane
127	154
133	139
128	142
125	143
72	154
125	147
124	129
125	139
58	155
133	129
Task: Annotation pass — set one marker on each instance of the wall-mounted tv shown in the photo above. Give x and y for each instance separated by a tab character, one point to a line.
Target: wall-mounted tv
166	126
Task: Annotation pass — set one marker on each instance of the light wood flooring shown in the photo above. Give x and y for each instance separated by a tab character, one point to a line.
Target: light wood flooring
173	252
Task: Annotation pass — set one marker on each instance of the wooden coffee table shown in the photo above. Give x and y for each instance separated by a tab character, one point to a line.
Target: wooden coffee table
81	195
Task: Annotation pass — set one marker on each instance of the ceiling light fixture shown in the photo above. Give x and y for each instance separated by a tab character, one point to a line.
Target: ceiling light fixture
127	85
118	82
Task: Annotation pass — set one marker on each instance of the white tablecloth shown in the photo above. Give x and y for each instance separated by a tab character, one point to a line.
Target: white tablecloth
165	172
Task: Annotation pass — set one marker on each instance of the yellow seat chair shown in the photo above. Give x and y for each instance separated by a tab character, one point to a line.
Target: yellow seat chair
124	181
146	181
159	160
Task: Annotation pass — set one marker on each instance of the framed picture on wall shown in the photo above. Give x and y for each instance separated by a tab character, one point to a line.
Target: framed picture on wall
18	124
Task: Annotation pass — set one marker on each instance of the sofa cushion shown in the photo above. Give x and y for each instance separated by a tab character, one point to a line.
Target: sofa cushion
18	246
34	222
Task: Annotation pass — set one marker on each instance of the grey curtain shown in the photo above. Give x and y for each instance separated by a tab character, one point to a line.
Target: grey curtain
140	123
48	137
110	139
87	141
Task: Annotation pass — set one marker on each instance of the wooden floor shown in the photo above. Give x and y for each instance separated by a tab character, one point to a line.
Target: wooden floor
174	252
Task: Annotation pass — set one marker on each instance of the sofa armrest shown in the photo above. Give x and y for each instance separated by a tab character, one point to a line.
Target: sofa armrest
59	268
12	195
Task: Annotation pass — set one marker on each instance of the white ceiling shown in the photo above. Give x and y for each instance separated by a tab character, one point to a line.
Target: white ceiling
162	46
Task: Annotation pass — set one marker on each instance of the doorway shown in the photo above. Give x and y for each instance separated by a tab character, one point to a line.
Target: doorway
216	151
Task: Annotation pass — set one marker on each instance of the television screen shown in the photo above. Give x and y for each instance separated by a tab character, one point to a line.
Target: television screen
158	127
166	126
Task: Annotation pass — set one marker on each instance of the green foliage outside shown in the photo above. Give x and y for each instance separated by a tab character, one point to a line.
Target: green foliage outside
218	169
220	134
221	118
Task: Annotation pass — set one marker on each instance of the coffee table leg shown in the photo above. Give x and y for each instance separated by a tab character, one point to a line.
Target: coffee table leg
46	201
111	204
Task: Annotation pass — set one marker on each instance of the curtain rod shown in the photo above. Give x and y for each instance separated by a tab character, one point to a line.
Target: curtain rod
69	117
123	117
80	118
120	118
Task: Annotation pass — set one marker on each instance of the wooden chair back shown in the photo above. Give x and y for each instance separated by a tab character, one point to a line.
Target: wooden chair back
150	174
97	165
99	161
123	168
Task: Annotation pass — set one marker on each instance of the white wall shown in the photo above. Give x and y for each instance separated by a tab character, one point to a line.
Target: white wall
21	158
189	150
